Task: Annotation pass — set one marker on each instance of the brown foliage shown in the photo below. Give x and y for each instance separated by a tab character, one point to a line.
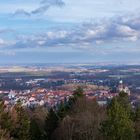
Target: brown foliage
83	121
4	135
39	115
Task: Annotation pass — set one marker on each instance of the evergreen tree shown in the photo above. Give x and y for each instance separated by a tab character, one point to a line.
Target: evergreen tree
51	124
5	119
137	123
21	126
118	125
79	92
123	99
62	110
65	106
35	133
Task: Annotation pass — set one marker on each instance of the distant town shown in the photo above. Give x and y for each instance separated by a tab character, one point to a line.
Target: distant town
49	86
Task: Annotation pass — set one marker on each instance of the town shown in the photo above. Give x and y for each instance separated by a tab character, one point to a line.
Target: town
50	90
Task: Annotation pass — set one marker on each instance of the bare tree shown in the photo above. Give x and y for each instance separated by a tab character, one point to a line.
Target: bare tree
83	122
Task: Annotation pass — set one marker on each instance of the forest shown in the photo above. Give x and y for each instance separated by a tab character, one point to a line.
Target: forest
78	118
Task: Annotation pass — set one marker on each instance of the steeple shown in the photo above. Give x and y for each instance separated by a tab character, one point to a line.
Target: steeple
123	87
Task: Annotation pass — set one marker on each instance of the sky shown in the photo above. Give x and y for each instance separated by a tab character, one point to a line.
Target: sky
69	31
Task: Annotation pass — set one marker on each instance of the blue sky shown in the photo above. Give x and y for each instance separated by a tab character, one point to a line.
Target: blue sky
81	31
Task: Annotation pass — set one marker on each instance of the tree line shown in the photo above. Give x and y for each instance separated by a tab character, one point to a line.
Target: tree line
78	118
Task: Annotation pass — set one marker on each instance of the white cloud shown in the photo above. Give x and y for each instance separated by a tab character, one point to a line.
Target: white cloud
88	36
2	42
125	30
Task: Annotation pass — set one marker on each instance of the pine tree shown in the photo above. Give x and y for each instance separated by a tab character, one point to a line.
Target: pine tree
118	125
137	123
65	106
21	126
35	132
62	110
79	92
51	124
123	99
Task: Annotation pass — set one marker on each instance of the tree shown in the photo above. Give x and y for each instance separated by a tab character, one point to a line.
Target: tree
79	92
65	106
62	110
4	135
65	129
21	121
5	119
34	133
123	99
137	123
81	122
51	124
118	125
5	123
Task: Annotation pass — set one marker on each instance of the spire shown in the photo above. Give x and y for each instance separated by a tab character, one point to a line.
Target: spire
121	82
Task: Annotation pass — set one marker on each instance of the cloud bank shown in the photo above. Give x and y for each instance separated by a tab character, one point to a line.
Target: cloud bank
87	35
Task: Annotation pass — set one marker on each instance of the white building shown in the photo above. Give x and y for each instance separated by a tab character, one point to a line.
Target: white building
123	88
